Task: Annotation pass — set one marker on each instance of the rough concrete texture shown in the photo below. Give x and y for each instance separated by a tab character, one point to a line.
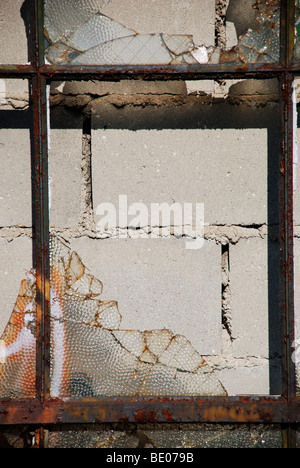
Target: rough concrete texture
297	181
159	284
248	379
297	308
154	17
15	200
224	169
15	260
13	33
14	94
296	285
249	297
100	88
65	156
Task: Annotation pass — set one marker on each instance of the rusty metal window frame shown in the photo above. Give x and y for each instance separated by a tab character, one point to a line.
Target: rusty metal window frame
43	410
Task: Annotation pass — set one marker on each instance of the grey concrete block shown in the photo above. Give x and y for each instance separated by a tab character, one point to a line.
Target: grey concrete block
224	169
14	93
251	380
297	306
249	297
297	285
12	33
15	188
160	284
15	260
196	17
124	87
296	169
65	155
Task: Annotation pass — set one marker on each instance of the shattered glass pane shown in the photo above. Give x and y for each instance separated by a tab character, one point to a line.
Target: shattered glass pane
90	354
18	345
79	33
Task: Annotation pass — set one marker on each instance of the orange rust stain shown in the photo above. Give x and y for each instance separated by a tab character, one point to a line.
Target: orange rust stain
168	415
220	413
146	416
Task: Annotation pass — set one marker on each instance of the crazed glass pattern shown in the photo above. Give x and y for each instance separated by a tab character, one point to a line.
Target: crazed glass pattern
18	345
90	354
78	33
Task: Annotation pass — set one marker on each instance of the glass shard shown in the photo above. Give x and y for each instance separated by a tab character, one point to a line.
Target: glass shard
132	50
79	33
98	30
18	345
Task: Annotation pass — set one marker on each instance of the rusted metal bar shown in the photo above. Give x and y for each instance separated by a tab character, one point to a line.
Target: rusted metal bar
285	181
37	46
16	71
117	73
141	410
286	214
163	72
41	229
41	205
286	236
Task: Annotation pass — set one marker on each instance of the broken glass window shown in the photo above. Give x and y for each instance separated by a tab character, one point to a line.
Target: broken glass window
90	354
79	33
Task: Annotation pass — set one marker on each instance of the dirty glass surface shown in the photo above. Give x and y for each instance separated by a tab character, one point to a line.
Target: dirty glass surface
115	32
17	274
166	436
149	436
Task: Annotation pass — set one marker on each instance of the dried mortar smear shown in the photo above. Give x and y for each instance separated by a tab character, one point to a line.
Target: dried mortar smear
90	354
78	33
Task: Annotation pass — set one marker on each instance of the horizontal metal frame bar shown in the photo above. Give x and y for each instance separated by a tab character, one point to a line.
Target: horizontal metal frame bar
243	409
164	72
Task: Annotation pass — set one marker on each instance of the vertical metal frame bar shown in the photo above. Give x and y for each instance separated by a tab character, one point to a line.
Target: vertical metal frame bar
41	205
285	182
286	229
286	241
